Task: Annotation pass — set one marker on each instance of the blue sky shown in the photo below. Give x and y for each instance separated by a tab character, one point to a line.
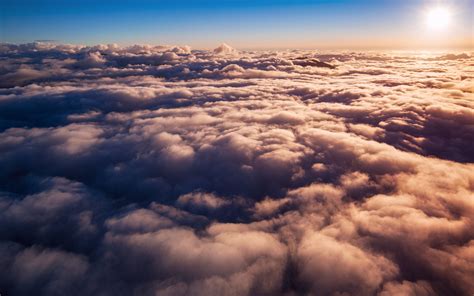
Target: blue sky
241	23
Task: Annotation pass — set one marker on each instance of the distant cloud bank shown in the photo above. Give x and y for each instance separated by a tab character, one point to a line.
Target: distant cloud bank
156	170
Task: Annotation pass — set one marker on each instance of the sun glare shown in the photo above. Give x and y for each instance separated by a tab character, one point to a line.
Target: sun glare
438	18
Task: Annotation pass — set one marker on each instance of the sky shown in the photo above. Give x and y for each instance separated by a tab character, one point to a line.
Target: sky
244	24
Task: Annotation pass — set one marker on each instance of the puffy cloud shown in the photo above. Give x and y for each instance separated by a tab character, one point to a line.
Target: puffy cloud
222	261
407	288
224	49
201	200
328	266
21	76
91	60
161	170
48	272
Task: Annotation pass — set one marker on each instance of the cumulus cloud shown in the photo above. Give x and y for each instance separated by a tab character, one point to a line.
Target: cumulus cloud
161	170
224	49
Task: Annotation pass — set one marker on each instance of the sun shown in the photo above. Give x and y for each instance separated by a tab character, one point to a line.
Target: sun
438	17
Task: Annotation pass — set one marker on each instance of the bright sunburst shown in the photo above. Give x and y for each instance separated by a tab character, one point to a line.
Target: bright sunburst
438	17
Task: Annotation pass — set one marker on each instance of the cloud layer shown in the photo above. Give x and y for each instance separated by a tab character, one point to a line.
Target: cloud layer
155	170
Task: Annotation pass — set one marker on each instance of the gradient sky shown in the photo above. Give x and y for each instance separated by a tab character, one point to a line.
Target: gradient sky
240	23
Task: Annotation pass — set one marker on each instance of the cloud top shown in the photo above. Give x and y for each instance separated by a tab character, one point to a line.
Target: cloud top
224	49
